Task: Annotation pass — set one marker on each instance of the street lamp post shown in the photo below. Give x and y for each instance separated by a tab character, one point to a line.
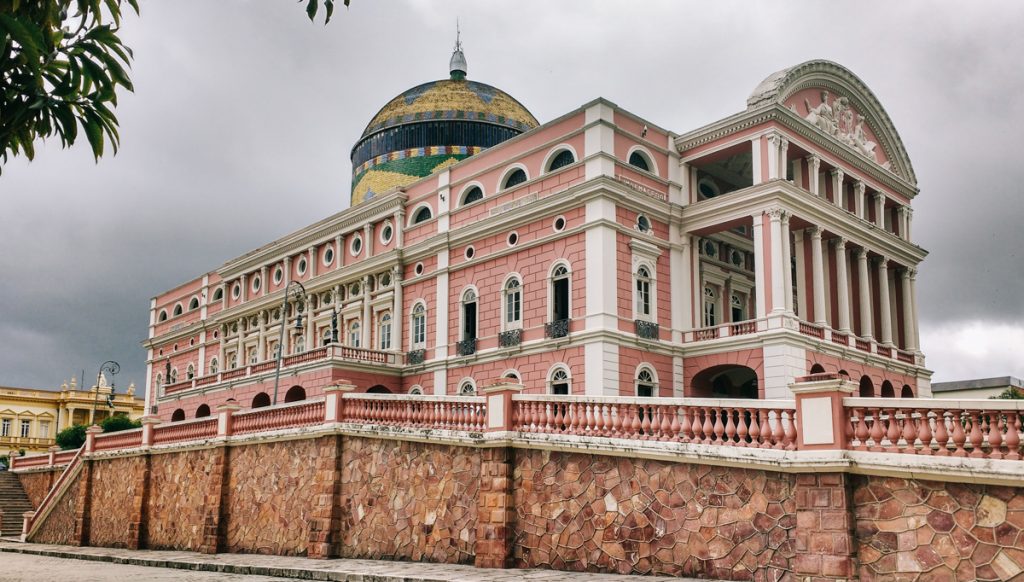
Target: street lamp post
108	366
300	294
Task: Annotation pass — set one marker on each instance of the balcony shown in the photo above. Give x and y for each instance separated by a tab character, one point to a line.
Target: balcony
647	329
466	347
510	338
15	442
415	357
556	329
333	353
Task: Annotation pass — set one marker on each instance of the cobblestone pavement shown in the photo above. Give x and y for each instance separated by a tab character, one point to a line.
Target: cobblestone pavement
51	562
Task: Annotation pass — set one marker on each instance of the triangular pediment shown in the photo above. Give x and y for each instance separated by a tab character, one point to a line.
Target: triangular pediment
836	102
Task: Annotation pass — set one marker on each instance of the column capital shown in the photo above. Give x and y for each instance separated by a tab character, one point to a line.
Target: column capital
877	196
909	272
774	213
859	187
839	242
775	138
813	160
837	172
862	253
881	262
816	232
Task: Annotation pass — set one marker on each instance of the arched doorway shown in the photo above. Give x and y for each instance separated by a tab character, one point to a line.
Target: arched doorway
867	388
261	400
725	381
379	389
295	394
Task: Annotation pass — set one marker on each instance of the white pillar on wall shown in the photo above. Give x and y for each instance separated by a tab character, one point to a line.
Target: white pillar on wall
910	218
287	272
261	345
755	161
842	287
339	256
778	277
783	153
681	284
397	310
774	143
311	251
787	264
760	293
885	314
801	274
837	186
818	276
859	201
367	240
263	281
367	323
913	303
909	340
879	210
813	174
864	283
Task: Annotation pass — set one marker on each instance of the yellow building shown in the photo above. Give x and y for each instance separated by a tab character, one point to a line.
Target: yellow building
30	419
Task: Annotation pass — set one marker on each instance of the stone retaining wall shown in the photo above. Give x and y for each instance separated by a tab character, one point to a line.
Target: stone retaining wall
37	484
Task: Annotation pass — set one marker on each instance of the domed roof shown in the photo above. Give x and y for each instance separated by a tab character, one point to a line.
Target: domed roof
453	99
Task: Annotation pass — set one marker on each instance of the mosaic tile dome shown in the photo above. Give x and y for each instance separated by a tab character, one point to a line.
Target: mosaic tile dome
432	126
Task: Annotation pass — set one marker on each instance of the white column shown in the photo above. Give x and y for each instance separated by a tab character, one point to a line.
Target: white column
245	289
240	346
910	217
909	341
879	210
813	174
774	142
398	309
885	315
440	311
222	356
913	303
339	256
837	186
399	228
367	240
864	282
755	161
818	276
312	261
263	281
760	293
783	152
681	284
787	264
287	272
309	330
696	288
801	274
778	278
201	364
261	348
859	195
364	340
842	286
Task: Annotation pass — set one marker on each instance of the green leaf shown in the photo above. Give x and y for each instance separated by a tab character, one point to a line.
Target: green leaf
311	6
93	131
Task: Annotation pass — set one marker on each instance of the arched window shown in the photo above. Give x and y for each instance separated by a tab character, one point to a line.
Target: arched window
355	334
513	304
646	385
233	361
300	344
416	390
295	394
190	372
163	316
203	411
710	299
252	355
214	365
517	177
643	293
561	160
261	400
177	310
469	314
639	160
218	294
467	388
273	349
419	326
906	391
326	336
193	304
384	331
422	215
866	388
173	376
817	369
178	415
887	390
559	382
560	288
474	194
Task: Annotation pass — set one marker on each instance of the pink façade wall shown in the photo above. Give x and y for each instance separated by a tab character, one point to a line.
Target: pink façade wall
752	358
655	141
180	295
534	371
629	361
549	184
857	370
417	288
625	282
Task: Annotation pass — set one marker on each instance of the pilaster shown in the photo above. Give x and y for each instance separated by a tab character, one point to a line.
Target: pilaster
213	501
818	276
814	175
325	522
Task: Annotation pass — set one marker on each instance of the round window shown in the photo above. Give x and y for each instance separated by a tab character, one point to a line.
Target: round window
386	233
707	188
385	280
278	275
470	252
418	269
236	291
513	238
192	341
354	289
710	249
643	224
737	258
216	334
356	246
559	224
302	266
328	256
255	284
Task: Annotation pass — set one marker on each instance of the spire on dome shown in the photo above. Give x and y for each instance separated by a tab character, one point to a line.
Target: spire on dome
457	65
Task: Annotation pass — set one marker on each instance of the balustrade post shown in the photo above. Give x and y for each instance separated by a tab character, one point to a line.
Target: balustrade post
224	413
148	424
333	410
819	408
90	437
499	404
26	521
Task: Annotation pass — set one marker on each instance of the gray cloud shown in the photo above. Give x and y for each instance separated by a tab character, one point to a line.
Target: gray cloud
244	116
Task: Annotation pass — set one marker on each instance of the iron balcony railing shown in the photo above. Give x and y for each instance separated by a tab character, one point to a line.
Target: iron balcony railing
415	357
466	347
556	329
510	338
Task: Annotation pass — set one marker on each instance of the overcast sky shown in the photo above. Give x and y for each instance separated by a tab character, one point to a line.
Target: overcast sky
244	115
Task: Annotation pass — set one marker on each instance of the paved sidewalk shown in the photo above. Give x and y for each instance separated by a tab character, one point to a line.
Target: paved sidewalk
309	569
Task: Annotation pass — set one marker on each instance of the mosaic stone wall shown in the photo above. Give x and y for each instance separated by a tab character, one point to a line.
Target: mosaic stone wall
37	485
408	501
925	530
178	483
268	500
117	489
59	526
607	514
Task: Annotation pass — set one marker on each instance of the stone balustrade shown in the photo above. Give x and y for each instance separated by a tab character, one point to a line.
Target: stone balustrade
125	439
463	413
291	415
186	430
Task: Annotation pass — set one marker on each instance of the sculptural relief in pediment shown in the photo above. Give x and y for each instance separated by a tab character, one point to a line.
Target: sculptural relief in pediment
836	116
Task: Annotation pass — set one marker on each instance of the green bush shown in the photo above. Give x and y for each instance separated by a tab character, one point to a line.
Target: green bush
1010	393
72	437
119	423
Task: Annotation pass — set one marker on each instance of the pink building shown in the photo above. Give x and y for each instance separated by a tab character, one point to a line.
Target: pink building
594	254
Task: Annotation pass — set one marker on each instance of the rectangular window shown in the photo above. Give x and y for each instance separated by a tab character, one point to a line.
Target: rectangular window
513	307
385	333
5	427
709	314
419	330
44	429
26	426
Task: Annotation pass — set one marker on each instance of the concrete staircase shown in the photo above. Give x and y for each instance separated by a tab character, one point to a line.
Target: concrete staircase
14	503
